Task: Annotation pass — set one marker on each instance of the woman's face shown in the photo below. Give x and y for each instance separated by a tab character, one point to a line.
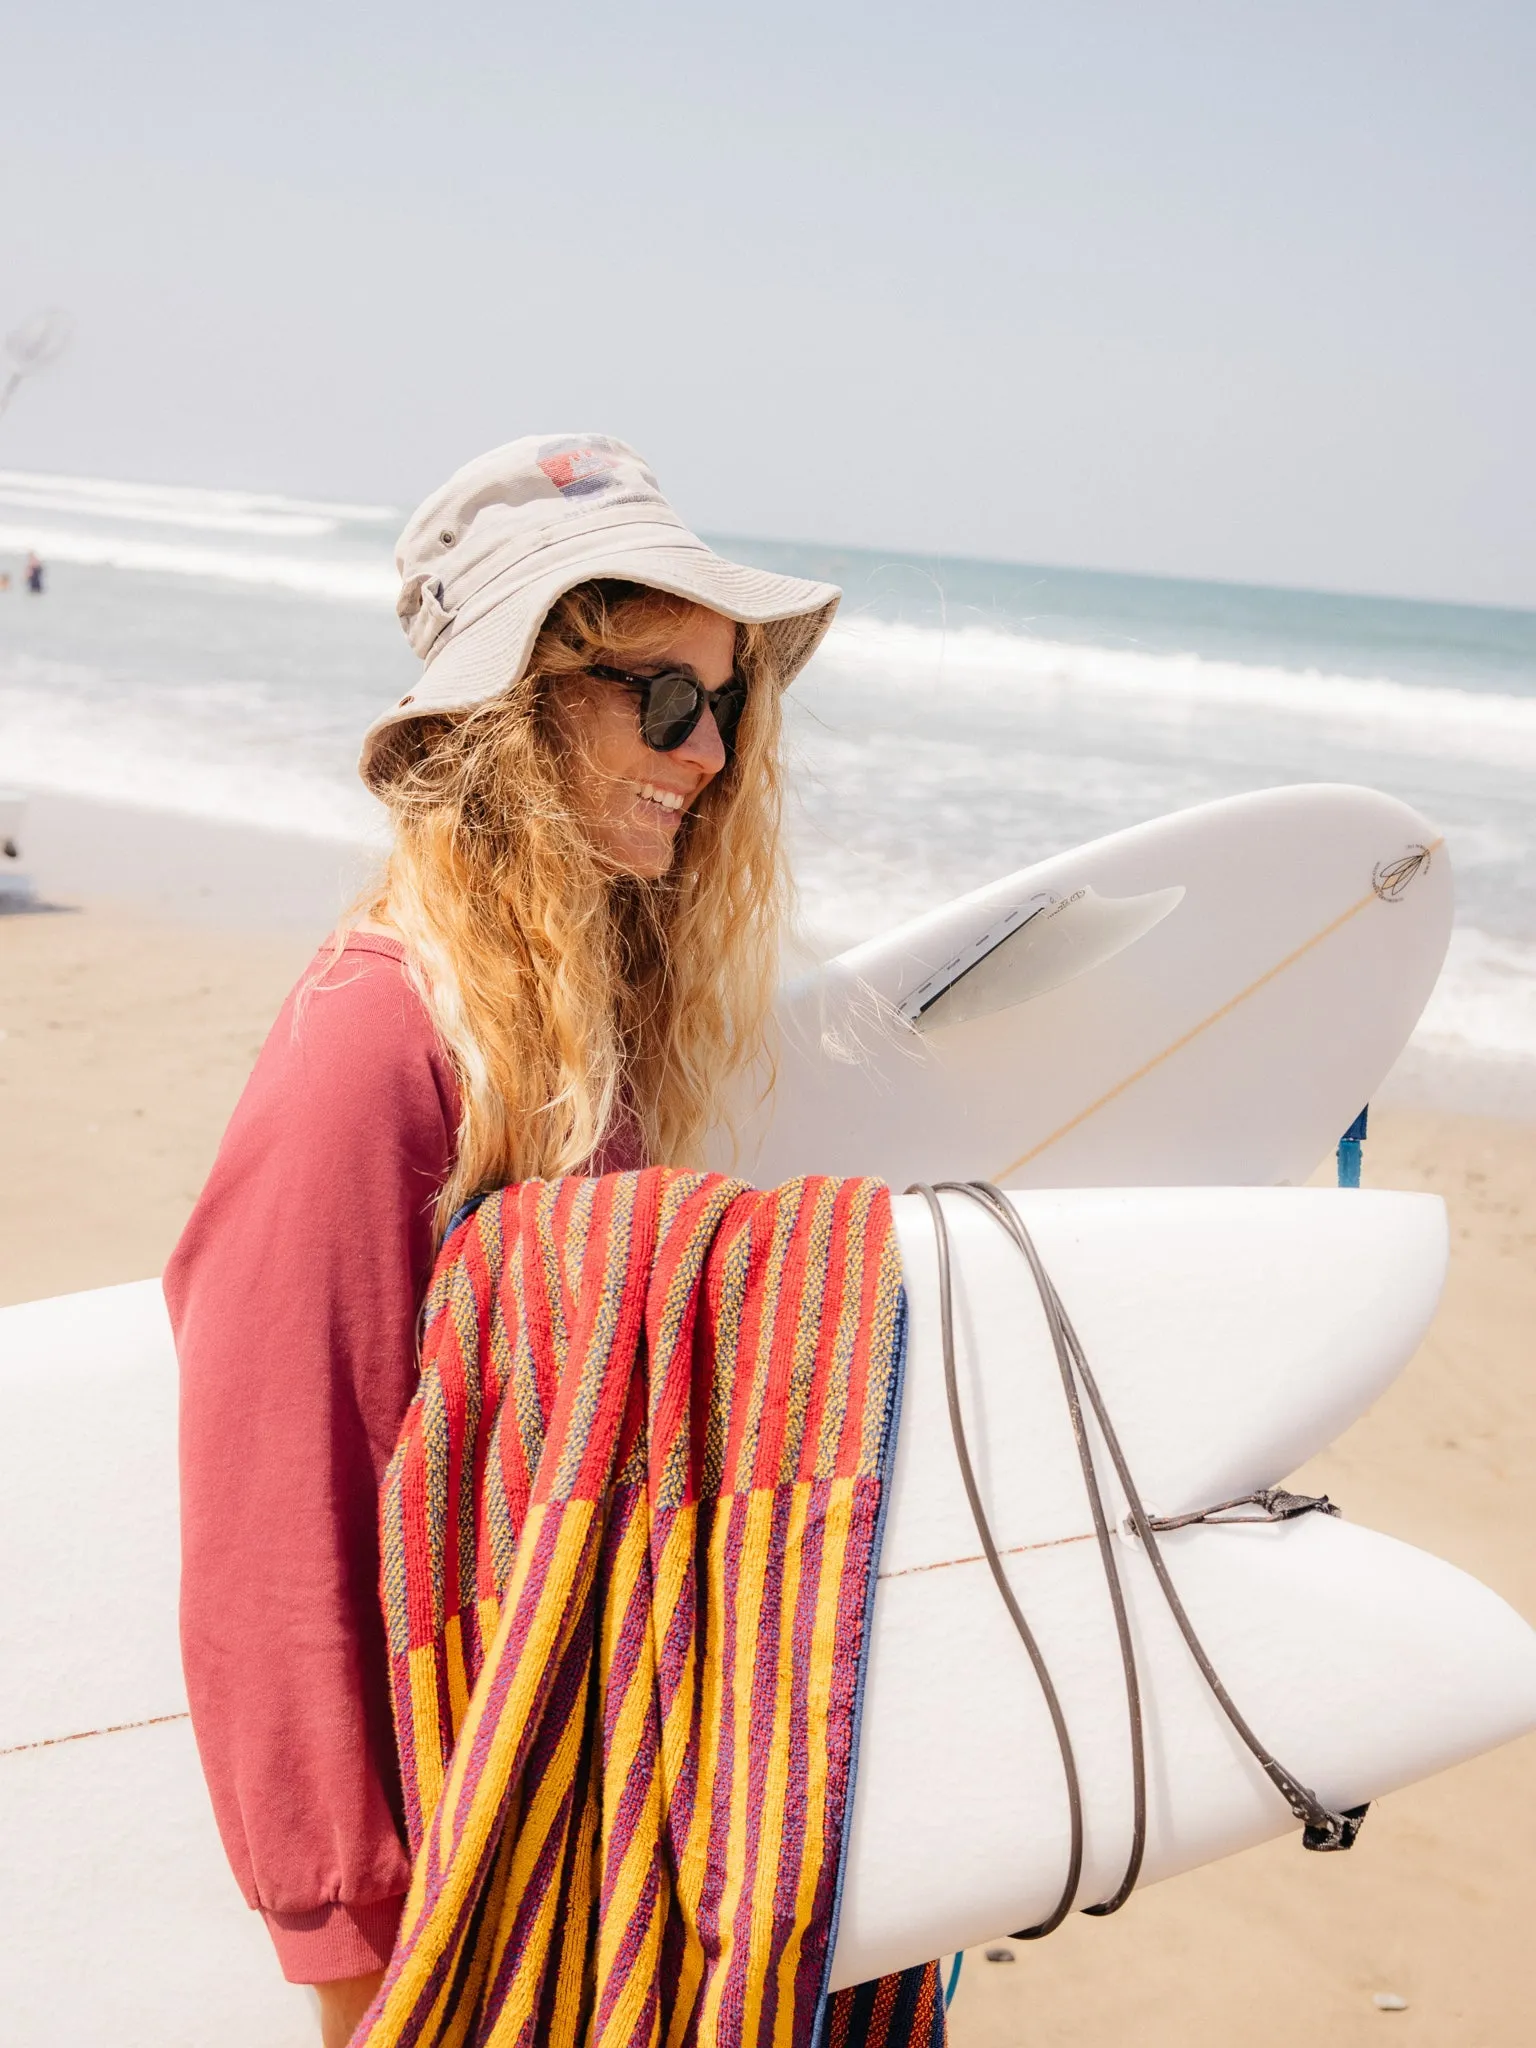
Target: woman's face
631	798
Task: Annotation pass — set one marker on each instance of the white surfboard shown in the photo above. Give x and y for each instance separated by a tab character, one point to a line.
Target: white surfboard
1207	999
105	1823
1233	1332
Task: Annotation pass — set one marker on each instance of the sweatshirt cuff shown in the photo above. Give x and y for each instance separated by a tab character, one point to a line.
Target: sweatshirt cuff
333	1942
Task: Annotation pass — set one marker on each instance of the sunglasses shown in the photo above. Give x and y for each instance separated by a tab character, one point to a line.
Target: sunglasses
671	705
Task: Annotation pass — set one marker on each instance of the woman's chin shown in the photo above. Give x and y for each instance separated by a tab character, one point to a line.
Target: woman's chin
645	851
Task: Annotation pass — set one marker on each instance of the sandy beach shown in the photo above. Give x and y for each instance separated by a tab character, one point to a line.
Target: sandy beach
129	1015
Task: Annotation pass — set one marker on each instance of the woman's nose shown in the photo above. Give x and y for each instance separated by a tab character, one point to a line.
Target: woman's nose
703	749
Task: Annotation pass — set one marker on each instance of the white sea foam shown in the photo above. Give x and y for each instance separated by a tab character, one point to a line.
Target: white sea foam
81	751
179	504
1015	669
365	582
1485	1000
273	525
1473	725
1167	690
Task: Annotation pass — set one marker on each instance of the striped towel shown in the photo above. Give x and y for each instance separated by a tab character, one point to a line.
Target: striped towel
630	1536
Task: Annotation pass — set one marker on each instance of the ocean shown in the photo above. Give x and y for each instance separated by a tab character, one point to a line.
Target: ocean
220	652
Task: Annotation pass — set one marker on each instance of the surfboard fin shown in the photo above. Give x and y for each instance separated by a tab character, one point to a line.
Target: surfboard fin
1033	948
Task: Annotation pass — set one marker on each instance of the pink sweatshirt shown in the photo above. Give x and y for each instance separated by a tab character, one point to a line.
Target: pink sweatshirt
294	1293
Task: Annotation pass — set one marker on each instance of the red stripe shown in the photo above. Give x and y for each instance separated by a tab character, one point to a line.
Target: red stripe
781	1357
839	1253
685	1370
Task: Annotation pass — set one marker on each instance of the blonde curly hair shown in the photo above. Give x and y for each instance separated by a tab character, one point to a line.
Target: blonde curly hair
573	996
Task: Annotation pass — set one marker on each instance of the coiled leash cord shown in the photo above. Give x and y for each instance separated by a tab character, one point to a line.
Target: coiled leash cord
1323	1829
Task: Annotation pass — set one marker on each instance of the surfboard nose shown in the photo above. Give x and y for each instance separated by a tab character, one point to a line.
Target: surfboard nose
1362	1663
88	1633
1232	1333
1377	1663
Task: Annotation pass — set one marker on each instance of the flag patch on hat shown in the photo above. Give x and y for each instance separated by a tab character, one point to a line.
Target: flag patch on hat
579	472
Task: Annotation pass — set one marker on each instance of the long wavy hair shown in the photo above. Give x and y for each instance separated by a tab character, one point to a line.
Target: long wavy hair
574	997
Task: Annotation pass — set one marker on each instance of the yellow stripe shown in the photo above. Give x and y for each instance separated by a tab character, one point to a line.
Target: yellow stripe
775	1796
442	2016
489	1612
458	1674
558	1598
834	1547
568	2019
546	1793
570	1561
693	1863
751	1570
465	2011
1178	1045
627	2007
521	1568
431	1741
541	1816
625	1885
620	1589
671	1581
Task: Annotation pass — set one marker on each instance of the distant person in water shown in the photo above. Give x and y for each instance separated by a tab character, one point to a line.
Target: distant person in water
34	576
5	579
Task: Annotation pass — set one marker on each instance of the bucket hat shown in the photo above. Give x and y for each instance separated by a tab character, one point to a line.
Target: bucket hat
484	558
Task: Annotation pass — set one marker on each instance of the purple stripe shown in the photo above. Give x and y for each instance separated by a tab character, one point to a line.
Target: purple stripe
570	1699
792	1849
720	1806
767	1630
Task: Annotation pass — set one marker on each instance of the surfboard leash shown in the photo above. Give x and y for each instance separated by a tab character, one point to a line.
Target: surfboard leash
1322	1828
1036	1656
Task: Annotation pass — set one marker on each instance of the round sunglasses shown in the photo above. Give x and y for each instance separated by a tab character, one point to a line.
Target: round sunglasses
672	704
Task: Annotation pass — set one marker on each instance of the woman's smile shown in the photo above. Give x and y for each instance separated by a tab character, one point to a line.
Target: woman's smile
672	802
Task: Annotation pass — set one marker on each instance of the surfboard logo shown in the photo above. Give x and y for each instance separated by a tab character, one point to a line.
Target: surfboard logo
1392	878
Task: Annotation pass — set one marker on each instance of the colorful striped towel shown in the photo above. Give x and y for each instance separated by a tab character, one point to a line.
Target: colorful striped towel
630	1537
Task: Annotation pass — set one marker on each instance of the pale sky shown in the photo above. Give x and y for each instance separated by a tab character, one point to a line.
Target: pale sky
1223	290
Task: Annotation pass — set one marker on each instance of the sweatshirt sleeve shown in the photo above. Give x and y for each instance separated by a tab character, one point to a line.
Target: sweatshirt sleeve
294	1295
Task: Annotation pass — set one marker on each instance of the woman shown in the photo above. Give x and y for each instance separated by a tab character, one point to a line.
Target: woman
572	950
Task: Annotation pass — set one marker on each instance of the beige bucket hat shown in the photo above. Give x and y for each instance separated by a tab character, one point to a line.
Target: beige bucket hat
484	558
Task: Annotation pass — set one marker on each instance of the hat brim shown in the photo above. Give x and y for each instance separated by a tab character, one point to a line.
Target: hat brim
490	653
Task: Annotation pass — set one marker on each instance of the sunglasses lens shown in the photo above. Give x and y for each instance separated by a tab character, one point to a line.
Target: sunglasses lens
672	708
728	709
